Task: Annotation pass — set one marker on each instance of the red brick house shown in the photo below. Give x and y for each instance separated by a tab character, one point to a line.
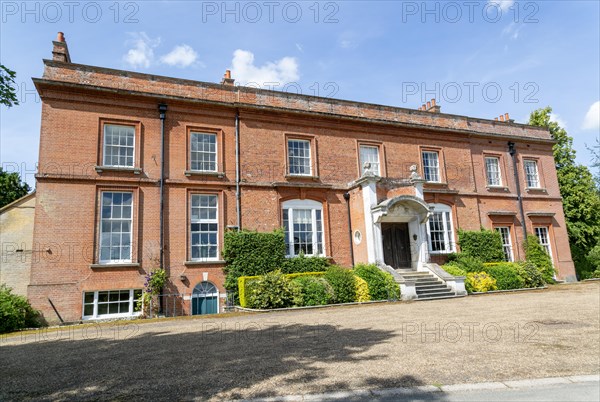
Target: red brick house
138	171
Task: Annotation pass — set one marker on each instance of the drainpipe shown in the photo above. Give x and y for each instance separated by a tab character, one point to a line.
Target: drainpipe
512	151
238	195
347	198
162	110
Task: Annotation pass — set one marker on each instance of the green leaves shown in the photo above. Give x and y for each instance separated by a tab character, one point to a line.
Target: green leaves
485	245
11	188
581	200
8	94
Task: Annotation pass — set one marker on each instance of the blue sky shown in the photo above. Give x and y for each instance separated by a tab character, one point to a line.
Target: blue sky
477	59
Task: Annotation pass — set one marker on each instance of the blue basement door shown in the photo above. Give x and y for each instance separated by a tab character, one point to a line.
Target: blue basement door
205	299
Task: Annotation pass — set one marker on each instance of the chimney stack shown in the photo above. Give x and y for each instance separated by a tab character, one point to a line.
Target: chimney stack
227	80
60	50
432	107
504	117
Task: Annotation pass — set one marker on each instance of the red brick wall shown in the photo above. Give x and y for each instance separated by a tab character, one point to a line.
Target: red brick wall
68	184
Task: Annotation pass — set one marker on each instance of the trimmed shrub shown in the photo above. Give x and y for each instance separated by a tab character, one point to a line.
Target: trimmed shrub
466	263
393	287
362	289
454	270
505	274
272	290
249	253
479	282
15	311
304	264
535	253
311	291
246	284
381	284
485	245
343	283
531	274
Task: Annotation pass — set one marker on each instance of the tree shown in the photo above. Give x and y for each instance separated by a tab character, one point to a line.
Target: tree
8	94
581	201
595	151
11	188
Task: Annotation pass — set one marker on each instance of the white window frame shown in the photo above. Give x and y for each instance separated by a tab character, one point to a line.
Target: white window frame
110	220
130	312
433	171
216	153
494	178
104	146
201	221
289	155
506	242
545	244
375	165
313	206
447	229
535	174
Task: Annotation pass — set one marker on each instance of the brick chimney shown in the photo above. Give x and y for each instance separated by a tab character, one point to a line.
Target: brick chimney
505	118
60	50
432	107
227	80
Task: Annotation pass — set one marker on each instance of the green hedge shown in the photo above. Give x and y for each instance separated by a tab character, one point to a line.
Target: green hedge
535	254
248	253
380	285
531	274
465	262
16	312
305	264
343	283
506	275
311	291
485	245
247	284
454	270
336	285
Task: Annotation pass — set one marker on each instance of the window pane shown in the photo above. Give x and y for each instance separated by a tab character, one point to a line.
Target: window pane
203	152
299	157
440	232
369	155
303	231
531	173
118	145
115	227
493	171
204	227
431	166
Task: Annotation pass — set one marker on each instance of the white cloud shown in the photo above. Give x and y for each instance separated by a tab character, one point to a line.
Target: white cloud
141	53
503	4
180	56
557	119
592	117
280	72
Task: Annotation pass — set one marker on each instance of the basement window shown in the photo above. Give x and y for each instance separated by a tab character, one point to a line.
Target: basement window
111	303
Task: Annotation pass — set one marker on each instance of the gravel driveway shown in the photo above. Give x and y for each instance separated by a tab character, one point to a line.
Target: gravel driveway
553	332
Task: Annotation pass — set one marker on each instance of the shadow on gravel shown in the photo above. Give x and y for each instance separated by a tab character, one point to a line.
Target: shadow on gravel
125	362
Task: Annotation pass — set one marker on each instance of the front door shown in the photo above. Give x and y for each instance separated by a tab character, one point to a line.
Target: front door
396	245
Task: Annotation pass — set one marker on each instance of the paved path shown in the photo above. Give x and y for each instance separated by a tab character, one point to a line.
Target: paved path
474	339
562	389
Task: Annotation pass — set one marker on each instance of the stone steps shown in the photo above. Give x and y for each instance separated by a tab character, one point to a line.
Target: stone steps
427	286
